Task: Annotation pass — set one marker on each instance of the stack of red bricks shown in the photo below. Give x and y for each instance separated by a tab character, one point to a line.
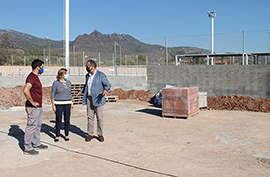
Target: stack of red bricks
180	101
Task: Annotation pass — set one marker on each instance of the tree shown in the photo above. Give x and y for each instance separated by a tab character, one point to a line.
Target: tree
5	42
141	59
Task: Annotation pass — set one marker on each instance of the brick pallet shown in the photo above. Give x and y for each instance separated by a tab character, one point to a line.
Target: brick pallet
180	101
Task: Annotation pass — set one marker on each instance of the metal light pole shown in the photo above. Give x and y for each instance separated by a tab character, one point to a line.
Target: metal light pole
67	33
74	60
166	43
120	54
115	53
98	59
49	62
212	15
269	43
243	57
44	54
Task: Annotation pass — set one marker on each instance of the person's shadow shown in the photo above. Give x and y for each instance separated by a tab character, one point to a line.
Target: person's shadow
16	132
50	131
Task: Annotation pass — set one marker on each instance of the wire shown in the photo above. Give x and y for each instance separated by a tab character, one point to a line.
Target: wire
199	35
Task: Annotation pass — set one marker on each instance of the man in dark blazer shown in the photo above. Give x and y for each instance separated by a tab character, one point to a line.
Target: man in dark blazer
95	89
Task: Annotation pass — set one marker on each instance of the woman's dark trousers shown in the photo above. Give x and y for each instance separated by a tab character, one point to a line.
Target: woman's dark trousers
60	109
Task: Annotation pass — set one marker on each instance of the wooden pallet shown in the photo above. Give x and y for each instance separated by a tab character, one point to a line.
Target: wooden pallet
111	98
75	88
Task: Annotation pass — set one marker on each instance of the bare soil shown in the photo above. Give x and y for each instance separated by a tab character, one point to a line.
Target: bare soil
140	142
10	97
239	102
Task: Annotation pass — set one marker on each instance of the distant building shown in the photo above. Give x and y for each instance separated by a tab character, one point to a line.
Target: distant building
220	62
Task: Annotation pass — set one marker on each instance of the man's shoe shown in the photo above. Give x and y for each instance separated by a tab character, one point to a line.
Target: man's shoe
42	147
31	152
88	138
100	138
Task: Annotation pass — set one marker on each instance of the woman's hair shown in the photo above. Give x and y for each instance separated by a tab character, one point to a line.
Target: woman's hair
61	73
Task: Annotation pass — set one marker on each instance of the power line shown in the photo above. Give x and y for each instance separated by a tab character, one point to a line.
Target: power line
200	35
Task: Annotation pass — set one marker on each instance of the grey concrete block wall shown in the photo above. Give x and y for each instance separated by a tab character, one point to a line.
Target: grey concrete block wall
123	82
216	80
251	80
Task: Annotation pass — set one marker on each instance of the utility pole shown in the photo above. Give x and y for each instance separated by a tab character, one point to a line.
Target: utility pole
212	15
120	54
98	59
115	53
49	58
83	59
269	43
243	57
166	50
67	33
44	54
74	58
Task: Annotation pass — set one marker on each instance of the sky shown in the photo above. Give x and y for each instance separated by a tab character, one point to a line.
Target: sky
184	23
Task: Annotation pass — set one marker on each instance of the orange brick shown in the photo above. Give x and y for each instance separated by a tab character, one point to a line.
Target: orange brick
180	101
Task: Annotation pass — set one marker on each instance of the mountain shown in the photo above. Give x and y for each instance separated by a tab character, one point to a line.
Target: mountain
94	43
28	42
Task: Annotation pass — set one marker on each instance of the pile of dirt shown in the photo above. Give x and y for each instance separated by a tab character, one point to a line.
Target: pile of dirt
131	94
10	97
239	102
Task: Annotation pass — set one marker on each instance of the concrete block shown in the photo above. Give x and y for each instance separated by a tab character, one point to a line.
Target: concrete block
202	99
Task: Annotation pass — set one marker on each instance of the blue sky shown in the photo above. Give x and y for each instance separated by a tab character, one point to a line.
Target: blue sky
184	23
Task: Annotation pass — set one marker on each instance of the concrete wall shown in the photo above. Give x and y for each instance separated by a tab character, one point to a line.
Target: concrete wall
127	78
251	80
124	82
52	70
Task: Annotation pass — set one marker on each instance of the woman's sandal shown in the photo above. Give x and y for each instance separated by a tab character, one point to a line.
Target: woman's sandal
56	139
66	138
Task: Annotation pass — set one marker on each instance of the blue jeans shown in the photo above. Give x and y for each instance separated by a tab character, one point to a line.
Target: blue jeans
60	109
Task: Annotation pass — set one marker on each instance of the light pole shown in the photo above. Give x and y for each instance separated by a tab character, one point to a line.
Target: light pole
212	15
115	64
49	62
67	34
166	50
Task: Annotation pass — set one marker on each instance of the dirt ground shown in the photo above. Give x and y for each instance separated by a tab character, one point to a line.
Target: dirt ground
10	97
139	142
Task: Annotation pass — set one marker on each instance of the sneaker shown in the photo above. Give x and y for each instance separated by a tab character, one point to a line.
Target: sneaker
41	147
31	152
100	138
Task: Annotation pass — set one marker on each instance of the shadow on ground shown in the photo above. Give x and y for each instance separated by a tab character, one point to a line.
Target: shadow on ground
16	132
155	112
50	131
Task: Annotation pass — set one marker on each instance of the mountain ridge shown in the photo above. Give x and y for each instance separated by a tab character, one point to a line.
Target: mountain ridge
94	43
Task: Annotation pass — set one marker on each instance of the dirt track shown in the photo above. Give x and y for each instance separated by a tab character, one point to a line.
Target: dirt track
139	142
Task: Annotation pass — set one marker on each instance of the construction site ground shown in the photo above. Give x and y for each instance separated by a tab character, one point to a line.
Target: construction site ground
140	142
